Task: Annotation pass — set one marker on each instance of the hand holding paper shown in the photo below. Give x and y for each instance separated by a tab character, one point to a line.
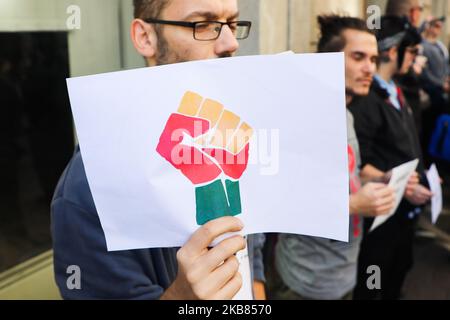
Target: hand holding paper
209	274
413	182
374	199
416	193
420	195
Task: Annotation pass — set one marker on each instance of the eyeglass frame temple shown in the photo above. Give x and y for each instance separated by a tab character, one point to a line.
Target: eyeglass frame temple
194	24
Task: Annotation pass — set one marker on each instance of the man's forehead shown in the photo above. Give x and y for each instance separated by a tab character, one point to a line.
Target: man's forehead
183	9
361	41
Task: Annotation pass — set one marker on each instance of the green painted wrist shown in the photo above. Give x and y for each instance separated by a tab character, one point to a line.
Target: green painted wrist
212	201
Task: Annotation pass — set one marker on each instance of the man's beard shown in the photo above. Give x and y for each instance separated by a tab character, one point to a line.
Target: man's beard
350	92
166	55
163	54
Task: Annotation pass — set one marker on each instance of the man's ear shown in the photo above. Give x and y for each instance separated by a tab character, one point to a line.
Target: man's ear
393	53
144	38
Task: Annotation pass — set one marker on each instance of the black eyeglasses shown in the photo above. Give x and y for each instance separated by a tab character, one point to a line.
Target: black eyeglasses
210	30
414	51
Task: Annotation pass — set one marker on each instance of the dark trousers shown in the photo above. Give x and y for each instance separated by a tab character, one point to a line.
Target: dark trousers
390	247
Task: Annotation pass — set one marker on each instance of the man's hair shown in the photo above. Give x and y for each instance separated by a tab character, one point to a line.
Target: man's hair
391	26
401	8
332	29
149	8
434	21
396	32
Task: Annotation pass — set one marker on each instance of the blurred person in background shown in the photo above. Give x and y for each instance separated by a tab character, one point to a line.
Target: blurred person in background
388	138
322	269
434	77
409	81
413	9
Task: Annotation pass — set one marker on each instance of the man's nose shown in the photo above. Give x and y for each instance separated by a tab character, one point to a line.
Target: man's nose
227	43
370	67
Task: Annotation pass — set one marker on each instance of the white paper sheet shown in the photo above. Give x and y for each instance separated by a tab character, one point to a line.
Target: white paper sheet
297	176
246	291
436	188
399	181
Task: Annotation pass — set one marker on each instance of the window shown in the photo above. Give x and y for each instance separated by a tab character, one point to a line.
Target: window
36	138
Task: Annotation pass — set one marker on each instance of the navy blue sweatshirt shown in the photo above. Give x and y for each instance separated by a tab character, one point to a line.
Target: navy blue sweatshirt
78	239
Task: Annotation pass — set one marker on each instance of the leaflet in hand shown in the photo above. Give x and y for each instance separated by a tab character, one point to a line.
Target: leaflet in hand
399	181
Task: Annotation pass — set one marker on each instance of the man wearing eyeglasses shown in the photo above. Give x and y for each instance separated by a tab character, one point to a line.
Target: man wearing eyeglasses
163	32
188	30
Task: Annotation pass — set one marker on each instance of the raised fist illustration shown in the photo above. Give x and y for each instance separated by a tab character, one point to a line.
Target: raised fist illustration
210	146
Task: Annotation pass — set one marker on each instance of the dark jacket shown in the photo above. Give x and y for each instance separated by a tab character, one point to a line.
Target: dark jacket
387	136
